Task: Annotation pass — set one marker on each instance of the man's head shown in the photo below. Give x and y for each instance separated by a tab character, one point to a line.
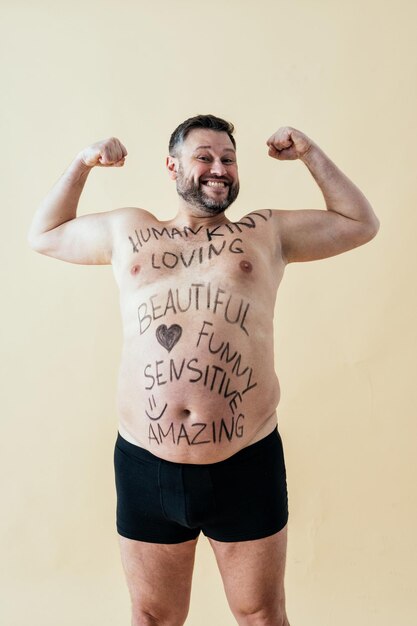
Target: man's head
202	160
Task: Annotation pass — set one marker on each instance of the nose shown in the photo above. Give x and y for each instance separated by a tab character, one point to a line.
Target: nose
218	168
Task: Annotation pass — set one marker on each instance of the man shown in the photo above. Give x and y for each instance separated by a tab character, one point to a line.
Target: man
198	446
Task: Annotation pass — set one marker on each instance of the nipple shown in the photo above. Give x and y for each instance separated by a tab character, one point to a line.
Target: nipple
246	266
135	269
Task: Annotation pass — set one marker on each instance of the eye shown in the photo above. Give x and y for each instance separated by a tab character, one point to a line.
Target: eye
204	158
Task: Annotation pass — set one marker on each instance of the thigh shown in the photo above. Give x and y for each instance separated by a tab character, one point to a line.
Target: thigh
159	578
253	574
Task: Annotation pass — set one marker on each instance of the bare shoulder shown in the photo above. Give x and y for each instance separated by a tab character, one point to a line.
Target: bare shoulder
130	214
259	219
263	214
280	216
283	223
267	224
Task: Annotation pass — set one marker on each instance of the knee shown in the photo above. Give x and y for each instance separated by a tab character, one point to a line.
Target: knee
266	616
142	617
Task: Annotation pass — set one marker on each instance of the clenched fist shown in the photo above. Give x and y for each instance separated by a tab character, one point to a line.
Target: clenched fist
288	144
106	153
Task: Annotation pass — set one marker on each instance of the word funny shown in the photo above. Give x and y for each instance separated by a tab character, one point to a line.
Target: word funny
226	354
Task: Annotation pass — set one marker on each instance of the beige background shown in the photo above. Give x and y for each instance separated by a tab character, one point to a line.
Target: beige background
345	74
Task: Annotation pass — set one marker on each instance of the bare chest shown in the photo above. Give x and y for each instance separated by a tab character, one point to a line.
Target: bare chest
240	255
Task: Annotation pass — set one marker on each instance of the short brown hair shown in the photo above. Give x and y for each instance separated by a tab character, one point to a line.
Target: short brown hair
210	122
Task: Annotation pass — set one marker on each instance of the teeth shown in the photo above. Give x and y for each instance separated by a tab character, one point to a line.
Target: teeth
212	183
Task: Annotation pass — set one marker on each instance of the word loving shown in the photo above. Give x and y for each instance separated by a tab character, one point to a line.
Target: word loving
171	259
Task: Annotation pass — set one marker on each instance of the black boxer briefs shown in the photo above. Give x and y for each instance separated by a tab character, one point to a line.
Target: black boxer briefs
241	498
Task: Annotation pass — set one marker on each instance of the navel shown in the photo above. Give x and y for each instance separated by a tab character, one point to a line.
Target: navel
246	266
135	269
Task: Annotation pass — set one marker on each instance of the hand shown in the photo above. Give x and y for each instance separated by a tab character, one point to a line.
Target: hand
288	144
107	153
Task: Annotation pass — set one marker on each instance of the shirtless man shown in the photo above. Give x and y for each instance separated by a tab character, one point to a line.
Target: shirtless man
198	446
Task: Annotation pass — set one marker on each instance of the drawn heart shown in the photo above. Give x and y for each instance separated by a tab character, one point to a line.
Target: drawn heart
168	337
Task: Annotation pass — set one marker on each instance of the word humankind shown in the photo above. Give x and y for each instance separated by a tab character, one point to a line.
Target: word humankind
196	297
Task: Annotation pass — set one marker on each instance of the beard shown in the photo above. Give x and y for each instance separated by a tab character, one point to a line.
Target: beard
195	194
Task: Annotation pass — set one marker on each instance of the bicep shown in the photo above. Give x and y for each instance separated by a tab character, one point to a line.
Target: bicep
87	239
313	234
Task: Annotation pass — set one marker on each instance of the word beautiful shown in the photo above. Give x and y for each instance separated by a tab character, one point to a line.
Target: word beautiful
198	296
143	236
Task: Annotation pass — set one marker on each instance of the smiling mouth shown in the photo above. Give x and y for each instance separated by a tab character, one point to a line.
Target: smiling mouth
215	184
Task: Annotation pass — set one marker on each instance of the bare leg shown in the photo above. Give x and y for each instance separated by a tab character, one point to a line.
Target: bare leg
159	580
253	578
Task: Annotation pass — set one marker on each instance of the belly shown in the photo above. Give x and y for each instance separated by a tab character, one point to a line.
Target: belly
198	387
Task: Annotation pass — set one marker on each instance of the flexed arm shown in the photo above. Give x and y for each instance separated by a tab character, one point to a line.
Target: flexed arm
311	234
57	231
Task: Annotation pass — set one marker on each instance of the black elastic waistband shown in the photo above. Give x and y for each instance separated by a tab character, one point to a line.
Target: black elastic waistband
145	455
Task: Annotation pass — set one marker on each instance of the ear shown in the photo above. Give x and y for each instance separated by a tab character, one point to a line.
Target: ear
172	166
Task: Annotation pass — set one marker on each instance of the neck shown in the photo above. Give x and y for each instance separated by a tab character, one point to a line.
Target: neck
189	215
